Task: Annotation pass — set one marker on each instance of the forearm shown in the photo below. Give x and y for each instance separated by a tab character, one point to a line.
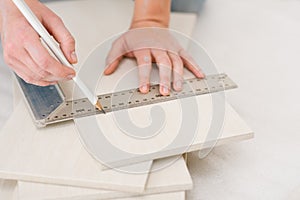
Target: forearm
151	13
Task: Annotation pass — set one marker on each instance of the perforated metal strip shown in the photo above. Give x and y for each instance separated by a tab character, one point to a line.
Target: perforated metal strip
133	98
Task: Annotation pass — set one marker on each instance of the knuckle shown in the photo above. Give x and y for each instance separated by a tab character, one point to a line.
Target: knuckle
165	78
42	74
44	62
56	20
165	62
70	39
36	78
28	79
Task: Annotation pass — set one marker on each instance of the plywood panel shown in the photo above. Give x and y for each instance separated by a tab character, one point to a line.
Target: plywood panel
171	174
55	155
8	189
208	120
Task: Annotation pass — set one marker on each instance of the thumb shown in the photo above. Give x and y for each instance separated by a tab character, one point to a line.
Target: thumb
58	30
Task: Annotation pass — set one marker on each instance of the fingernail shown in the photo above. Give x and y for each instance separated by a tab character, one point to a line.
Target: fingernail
165	90
74	57
70	76
200	73
144	88
178	84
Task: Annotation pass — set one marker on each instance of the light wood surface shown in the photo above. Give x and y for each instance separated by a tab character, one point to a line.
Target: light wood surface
9	191
234	128
171	175
86	42
55	155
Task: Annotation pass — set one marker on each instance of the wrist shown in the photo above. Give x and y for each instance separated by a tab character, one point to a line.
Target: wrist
151	13
149	23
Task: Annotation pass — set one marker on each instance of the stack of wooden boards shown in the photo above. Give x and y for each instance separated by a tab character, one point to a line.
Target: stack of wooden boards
51	163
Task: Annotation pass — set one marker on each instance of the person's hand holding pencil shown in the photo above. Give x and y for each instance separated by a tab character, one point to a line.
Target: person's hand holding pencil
23	50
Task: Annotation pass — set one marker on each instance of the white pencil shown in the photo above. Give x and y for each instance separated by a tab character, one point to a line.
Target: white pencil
51	43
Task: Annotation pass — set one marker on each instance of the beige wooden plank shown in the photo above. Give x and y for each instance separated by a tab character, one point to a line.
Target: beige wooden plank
55	155
173	176
164	196
233	128
8	190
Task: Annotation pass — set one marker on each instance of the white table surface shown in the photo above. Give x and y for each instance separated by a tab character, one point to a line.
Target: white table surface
257	43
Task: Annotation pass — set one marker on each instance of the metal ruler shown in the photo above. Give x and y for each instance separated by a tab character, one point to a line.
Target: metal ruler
48	105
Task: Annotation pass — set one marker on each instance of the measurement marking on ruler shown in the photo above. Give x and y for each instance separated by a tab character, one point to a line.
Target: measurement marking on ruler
133	98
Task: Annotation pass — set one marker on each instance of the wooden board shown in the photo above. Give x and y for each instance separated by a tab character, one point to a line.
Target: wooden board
164	196
9	191
231	126
169	179
234	127
55	155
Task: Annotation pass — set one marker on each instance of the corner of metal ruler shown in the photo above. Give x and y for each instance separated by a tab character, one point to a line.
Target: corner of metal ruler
41	101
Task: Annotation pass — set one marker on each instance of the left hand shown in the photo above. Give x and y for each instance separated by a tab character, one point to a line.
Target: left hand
149	45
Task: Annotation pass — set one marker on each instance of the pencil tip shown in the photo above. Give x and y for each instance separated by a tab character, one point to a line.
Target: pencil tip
99	106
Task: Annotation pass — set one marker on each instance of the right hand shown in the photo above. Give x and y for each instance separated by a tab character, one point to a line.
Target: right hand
22	47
